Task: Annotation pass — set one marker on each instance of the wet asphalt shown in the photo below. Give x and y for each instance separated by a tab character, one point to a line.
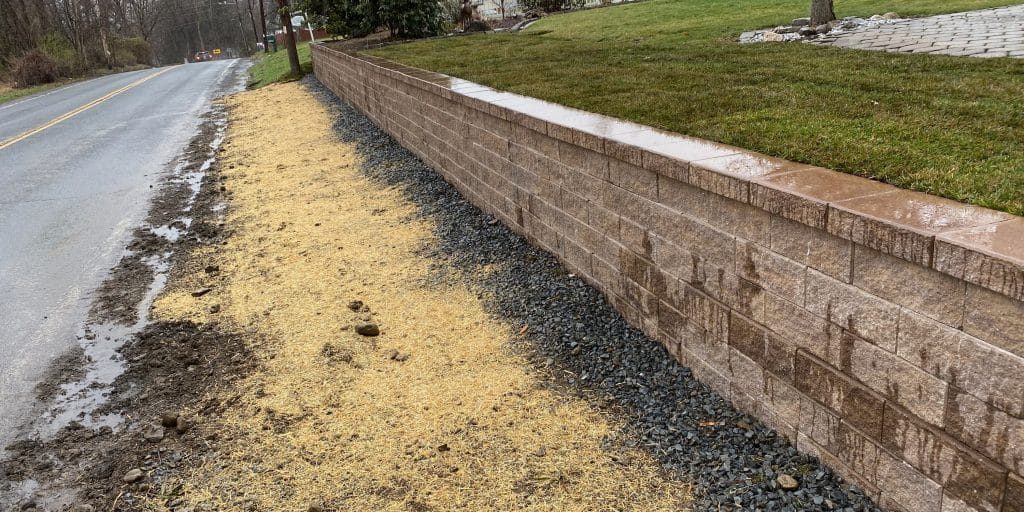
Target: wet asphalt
70	196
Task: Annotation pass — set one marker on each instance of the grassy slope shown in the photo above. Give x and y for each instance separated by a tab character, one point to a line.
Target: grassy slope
946	125
274	67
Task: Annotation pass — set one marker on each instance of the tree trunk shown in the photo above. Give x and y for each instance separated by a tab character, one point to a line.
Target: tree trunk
822	12
263	28
286	21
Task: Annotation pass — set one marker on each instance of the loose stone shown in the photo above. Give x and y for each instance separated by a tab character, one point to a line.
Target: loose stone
133	476
154	434
182	425
202	291
787	482
367	329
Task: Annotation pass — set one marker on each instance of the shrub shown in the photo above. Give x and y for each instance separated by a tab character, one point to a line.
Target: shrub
358	18
413	18
61	51
347	18
550	5
451	11
34	68
128	51
120	57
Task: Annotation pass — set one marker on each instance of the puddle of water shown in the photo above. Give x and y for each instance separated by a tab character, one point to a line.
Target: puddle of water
172	232
101	343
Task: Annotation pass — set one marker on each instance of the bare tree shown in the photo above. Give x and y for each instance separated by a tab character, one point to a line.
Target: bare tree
85	34
146	15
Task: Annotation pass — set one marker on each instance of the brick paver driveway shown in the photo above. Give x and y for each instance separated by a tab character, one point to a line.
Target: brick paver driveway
987	33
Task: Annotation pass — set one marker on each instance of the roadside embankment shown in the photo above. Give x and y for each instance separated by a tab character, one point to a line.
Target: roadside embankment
435	412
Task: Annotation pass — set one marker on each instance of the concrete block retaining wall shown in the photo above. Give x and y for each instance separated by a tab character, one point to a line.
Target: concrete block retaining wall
879	329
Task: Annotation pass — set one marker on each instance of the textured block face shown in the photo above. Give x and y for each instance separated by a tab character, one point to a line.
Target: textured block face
929	345
748	338
825	253
1013	501
906	487
770	271
990	256
896	379
862	455
718	248
990	374
844	397
987	430
963	474
928	292
635	179
995	318
879	330
803	329
861	313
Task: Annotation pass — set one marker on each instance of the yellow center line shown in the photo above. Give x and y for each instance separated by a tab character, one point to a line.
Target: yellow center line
64	117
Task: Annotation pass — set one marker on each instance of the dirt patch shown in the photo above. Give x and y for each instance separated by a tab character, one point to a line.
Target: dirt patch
429	410
69	367
100	430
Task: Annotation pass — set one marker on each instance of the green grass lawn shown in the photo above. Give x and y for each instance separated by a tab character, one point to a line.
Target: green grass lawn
274	67
945	125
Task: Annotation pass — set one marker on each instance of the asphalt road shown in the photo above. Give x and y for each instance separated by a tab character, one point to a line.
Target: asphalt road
71	192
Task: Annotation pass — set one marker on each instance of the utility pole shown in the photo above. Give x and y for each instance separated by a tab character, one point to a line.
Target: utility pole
286	20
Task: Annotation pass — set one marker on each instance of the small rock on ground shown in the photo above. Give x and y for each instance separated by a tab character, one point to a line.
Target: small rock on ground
133	476
368	329
154	434
201	291
787	482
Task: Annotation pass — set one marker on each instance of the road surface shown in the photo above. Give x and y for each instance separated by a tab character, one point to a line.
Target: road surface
76	166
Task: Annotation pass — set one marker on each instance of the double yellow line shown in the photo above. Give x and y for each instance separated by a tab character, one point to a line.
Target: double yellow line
64	117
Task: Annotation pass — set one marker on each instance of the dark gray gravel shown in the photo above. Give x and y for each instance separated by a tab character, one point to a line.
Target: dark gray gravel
574	329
